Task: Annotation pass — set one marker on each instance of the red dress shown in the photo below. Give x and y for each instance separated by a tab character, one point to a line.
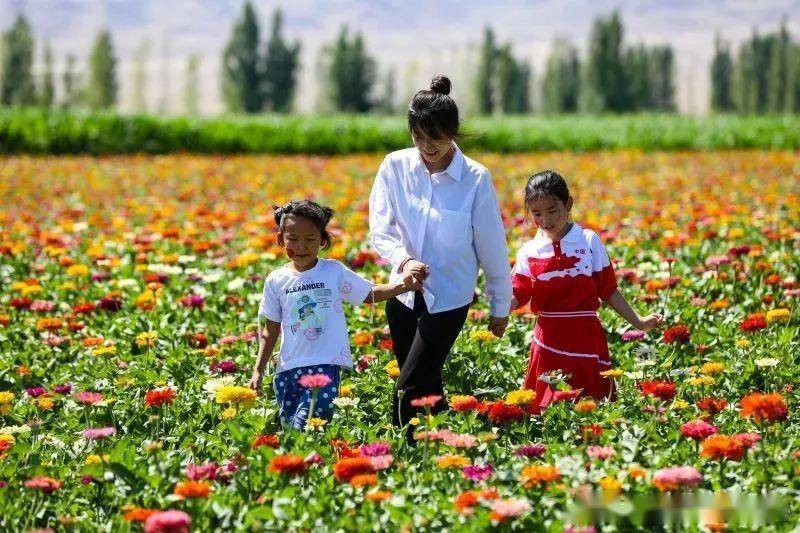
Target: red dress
564	282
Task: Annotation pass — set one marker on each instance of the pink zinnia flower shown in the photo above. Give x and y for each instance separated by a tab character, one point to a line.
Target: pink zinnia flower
171	521
477	472
53	340
314	381
381	462
748	439
204	471
677	477
194	301
600	452
66	388
510	508
88	397
698	429
531	450
223	367
42	306
98	433
375	449
426	401
228	339
717	260
35	392
43	483
632	335
460	440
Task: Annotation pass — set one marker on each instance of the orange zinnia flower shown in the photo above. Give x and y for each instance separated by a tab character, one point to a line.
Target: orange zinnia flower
349	467
764	407
137	514
193	489
288	464
719	447
364	480
539	475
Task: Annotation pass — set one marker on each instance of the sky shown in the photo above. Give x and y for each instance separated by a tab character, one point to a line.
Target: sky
415	38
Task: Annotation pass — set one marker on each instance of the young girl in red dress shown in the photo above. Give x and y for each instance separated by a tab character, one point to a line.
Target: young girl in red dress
565	272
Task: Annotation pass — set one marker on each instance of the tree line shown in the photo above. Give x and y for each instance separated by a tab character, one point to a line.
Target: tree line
259	74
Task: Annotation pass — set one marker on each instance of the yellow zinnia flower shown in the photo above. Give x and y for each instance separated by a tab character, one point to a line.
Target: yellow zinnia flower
520	397
234	394
778	316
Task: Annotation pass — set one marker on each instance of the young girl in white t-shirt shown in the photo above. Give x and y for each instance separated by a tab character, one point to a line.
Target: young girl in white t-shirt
303	300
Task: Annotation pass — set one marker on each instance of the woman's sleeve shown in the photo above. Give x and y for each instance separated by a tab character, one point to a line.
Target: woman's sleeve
489	237
521	280
605	280
382	224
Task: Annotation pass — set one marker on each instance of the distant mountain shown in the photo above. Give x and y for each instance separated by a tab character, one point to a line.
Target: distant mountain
416	38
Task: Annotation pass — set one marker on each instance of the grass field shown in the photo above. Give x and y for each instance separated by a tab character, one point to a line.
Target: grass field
35	131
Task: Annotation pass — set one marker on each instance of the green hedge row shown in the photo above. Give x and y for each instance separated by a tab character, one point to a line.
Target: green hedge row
62	132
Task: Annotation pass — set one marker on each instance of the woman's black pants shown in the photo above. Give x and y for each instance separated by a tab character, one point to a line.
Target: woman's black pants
421	342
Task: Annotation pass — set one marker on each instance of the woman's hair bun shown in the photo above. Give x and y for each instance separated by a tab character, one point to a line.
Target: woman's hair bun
441	84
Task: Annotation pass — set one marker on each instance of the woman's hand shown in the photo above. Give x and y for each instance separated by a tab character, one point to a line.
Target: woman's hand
414	273
497	325
649	322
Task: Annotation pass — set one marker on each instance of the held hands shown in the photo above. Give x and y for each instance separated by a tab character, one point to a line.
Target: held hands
649	322
414	273
497	325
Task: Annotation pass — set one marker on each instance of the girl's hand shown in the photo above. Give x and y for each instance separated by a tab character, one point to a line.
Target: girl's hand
414	273
650	321
497	325
255	381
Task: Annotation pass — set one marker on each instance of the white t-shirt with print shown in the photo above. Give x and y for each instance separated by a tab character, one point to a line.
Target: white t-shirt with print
309	306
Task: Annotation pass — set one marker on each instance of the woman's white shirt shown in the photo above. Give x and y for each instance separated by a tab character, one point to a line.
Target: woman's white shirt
449	220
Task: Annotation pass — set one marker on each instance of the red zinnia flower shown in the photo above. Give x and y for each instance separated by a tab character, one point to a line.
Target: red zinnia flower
502	413
712	405
677	334
158	397
664	390
754	322
271	441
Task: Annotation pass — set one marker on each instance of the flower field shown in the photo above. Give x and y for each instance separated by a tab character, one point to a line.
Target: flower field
129	288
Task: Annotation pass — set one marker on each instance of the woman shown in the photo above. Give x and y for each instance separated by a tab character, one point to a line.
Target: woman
433	215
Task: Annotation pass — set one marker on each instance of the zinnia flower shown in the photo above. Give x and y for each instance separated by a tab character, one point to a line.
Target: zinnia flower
171	521
347	468
461	403
159	397
719	447
678	334
754	322
535	475
712	405
270	441
98	433
426	401
88	397
45	484
503	413
531	450
192	489
512	507
676	477
697	430
232	394
632	335
477	473
764	407
665	390
314	381
290	464
600	452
